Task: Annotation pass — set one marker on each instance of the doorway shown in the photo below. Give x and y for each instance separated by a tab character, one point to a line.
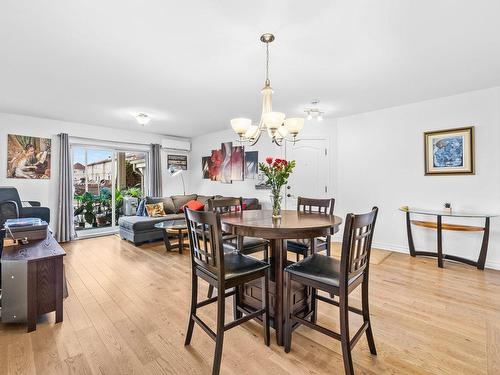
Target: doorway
312	172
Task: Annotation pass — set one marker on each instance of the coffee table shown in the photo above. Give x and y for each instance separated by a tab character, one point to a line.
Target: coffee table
178	229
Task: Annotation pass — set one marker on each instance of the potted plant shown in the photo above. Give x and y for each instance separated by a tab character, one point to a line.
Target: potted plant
276	172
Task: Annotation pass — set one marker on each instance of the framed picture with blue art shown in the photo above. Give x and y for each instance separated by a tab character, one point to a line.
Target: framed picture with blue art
449	151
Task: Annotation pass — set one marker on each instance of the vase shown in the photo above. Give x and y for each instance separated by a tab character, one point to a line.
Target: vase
276	202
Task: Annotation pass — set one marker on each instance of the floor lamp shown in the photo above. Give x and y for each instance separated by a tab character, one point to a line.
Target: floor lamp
178	171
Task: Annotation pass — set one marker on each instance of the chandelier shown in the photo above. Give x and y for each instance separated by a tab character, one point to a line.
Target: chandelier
273	123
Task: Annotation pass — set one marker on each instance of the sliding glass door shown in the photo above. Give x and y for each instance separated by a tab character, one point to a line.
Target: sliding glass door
102	180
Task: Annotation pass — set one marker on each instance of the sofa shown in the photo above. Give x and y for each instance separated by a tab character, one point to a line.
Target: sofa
140	228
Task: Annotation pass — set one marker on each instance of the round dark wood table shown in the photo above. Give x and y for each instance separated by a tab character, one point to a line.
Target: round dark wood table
292	225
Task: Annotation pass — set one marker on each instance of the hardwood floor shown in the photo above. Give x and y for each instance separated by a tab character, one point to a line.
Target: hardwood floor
128	306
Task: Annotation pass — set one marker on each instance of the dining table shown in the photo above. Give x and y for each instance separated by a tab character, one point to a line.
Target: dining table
292	224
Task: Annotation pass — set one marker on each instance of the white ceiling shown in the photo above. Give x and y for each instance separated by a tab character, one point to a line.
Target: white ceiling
194	65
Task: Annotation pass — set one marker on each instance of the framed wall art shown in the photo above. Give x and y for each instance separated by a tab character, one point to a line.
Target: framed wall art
28	157
449	151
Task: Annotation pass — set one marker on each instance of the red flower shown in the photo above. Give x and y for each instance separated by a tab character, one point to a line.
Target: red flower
269	160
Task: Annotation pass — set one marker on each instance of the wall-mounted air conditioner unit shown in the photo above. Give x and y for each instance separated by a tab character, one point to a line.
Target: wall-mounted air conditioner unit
175	144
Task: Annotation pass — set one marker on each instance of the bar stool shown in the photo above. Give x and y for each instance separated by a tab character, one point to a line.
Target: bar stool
340	278
224	270
312	205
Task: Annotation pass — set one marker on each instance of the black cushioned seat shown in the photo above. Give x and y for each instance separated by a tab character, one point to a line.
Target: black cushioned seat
249	244
304	244
237	264
320	268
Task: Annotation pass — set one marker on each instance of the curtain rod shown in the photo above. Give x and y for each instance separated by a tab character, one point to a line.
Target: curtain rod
105	140
123	143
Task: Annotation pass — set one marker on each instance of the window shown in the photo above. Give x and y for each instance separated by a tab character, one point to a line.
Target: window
102	178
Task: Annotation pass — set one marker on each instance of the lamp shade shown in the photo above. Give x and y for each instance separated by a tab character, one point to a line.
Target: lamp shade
251	132
273	120
240	125
294	125
282	131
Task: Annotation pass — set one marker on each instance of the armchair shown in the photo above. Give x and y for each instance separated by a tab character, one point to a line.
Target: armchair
11	206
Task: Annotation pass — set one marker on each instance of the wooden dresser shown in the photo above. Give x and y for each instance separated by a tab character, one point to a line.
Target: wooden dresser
32	281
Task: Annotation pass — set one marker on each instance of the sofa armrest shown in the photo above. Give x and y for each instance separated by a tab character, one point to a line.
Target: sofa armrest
38	212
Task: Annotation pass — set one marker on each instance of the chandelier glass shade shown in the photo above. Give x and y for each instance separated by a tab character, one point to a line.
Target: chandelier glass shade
274	123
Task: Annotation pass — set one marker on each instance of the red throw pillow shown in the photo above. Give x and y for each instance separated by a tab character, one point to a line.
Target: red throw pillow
194	205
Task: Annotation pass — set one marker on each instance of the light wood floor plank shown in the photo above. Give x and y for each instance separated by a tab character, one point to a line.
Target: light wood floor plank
127	313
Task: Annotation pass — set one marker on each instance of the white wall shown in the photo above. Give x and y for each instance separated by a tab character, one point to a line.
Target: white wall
202	146
377	159
46	191
380	162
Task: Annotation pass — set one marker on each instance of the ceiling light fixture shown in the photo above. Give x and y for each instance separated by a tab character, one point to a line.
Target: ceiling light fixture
142	118
274	123
314	111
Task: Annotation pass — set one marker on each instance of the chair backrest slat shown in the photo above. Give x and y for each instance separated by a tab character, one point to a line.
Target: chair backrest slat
356	246
313	205
223	205
205	240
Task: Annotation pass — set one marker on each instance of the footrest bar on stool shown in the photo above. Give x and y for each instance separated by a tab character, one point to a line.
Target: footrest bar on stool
206	328
213	299
358	334
316	327
248	317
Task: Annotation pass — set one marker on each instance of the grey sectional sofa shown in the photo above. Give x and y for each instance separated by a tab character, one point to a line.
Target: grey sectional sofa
139	229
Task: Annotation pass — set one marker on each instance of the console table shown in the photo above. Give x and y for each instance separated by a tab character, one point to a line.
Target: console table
32	281
439	226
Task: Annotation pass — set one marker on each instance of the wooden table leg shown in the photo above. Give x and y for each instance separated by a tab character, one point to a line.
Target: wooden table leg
440	241
168	247
411	245
32	299
59	270
484	246
278	253
181	241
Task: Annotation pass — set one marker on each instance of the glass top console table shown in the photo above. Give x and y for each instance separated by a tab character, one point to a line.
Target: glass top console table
439	226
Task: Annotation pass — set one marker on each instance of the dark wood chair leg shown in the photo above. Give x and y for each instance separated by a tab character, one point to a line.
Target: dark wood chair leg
236	301
366	317
344	334
219	340
265	306
266	254
314	305
192	311
210	291
328	246
287	311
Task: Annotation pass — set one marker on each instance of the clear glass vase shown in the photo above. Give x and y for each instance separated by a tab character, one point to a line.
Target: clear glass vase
276	202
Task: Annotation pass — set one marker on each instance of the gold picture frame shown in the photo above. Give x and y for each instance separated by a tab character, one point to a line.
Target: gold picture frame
449	151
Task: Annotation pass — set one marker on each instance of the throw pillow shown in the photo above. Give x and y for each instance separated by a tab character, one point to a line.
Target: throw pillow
155	209
141	208
194	205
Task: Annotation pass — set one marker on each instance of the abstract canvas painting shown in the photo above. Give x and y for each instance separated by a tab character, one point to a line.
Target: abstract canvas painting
205	167
225	174
28	157
214	165
237	163
251	164
449	151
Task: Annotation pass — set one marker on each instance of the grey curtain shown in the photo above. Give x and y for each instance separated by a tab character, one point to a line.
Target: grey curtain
65	230
155	188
